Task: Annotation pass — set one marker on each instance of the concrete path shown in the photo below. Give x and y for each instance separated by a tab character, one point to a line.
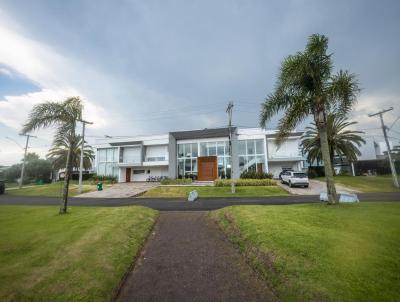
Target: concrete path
188	259
122	190
315	188
176	204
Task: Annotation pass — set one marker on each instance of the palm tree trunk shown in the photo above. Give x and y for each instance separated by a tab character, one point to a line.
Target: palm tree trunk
332	159
64	201
330	184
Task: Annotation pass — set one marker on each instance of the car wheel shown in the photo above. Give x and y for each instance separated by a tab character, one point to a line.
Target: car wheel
282	182
290	184
306	186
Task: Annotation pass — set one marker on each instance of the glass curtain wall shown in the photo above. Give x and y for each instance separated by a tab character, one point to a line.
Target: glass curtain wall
188	153
251	155
187	160
107	159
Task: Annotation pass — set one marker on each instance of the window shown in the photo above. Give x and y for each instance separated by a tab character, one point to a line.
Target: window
107	159
188	152
242	147
250	147
203	149
212	149
138	171
194	150
221	148
259	146
251	155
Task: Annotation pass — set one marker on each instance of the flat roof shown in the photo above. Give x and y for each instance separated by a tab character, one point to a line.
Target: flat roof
203	133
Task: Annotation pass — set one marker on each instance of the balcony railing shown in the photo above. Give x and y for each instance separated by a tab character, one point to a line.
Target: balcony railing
155	158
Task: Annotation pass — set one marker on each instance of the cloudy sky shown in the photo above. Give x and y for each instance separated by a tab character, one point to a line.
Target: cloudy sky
146	67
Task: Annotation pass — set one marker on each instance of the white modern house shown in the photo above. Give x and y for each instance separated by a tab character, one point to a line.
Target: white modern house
199	154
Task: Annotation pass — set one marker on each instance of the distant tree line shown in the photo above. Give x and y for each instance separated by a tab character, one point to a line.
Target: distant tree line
36	169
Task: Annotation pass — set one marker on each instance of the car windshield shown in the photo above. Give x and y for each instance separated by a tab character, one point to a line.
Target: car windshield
300	175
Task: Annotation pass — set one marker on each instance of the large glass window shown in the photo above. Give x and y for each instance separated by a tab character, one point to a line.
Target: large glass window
107	159
188	152
251	155
187	160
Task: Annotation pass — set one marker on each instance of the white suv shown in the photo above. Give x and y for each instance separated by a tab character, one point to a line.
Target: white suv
293	178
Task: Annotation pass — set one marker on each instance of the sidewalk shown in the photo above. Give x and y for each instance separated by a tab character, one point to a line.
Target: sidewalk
189	259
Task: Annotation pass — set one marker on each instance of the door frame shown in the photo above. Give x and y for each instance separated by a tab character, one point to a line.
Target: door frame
200	160
128	175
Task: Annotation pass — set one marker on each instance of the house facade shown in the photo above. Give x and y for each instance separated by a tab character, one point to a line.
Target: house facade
199	154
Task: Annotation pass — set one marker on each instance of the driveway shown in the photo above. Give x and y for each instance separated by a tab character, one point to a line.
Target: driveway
315	188
121	190
189	259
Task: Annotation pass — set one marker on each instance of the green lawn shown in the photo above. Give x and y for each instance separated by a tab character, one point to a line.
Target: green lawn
80	256
317	252
51	190
182	192
367	183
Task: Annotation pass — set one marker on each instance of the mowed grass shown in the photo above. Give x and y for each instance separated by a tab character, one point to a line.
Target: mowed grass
208	191
80	256
316	252
380	183
52	189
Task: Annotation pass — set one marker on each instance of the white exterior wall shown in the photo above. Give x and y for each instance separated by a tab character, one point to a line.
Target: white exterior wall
157	151
154	172
288	149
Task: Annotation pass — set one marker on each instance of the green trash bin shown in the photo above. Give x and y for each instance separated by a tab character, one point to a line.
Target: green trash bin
99	186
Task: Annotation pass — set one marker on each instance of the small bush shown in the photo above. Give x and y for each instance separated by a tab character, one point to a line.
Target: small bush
104	179
315	171
244	182
178	181
255	175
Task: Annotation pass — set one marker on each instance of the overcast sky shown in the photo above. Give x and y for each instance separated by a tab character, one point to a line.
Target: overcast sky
146	67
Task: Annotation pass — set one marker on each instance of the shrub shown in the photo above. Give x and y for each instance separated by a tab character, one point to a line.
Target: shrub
316	171
255	175
244	182
178	181
107	179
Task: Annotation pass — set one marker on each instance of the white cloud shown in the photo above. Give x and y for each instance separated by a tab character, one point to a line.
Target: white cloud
6	72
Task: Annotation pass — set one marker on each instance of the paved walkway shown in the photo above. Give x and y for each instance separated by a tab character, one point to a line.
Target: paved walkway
121	190
315	188
189	259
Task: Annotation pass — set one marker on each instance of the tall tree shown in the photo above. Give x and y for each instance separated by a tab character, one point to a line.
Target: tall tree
306	86
342	142
59	152
62	115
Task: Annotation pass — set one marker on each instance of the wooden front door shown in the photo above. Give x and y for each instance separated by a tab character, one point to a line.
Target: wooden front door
128	175
207	168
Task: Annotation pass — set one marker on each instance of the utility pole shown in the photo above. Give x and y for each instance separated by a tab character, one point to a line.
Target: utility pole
384	128
229	111
23	163
82	147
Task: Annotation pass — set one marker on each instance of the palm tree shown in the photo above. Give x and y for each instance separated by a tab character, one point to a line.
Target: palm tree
59	152
306	87
342	142
64	116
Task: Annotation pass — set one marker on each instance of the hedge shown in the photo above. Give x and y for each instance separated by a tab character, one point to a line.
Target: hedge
178	181
244	182
255	175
